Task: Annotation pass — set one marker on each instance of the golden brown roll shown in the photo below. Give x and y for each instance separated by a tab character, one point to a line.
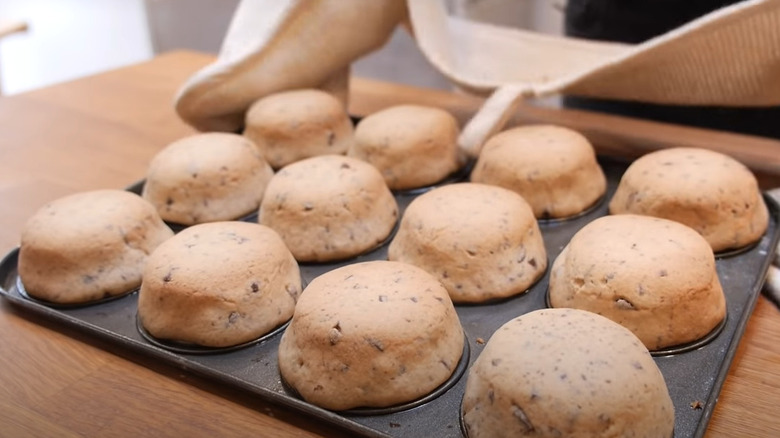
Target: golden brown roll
654	276
710	192
292	125
218	284
566	372
552	167
206	178
88	246
482	242
329	207
372	334
412	145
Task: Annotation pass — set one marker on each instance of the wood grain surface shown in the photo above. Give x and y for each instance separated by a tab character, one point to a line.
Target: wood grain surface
101	131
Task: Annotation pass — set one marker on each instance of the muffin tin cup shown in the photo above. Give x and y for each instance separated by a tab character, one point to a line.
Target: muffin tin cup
368	253
465	431
460	175
695	344
673	349
499	300
138	188
735	251
456	375
23	292
695	375
590	209
190	348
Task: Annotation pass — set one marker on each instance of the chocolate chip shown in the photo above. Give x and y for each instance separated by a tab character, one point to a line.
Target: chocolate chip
292	290
376	343
335	334
518	412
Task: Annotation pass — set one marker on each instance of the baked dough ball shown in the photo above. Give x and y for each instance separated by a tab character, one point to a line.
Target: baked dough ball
88	246
566	372
218	285
329	208
552	167
482	242
654	276
708	191
292	125
206	178
372	334
412	146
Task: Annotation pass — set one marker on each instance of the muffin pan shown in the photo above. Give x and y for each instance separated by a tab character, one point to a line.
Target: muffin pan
694	376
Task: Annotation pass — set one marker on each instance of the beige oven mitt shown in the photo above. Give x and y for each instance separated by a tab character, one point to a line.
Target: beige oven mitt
730	57
276	45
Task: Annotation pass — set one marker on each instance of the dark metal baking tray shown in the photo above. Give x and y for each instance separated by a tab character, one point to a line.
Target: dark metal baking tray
694	377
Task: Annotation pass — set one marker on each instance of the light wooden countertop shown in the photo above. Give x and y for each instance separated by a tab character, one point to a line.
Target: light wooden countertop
101	131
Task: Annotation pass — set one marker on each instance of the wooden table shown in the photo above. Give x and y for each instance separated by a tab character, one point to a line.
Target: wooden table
101	131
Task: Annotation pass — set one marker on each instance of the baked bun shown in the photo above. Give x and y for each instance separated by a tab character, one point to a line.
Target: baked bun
329	208
482	242
654	276
206	178
708	191
372	334
412	145
552	167
566	372
218	285
292	125
88	246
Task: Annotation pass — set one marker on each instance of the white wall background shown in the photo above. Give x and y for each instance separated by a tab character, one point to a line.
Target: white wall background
69	39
